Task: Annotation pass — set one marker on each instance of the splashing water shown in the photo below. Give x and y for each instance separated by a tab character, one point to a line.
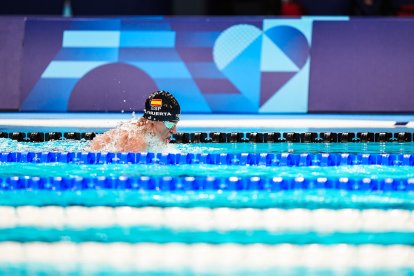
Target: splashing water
128	129
131	132
8	145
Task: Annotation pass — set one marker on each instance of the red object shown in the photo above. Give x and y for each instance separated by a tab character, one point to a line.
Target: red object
291	9
406	10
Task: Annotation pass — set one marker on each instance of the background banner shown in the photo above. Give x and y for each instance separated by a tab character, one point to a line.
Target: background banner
363	65
11	49
217	64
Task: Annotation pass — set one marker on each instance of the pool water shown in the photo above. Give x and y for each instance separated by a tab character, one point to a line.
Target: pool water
208	218
136	170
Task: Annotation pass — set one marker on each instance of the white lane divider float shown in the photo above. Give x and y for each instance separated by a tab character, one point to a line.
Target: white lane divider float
206	257
205	219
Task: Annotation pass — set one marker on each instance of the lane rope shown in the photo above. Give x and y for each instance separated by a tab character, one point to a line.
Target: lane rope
234	137
207	257
202	183
236	159
208	219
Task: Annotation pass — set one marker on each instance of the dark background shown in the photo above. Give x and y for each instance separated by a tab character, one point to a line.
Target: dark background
208	7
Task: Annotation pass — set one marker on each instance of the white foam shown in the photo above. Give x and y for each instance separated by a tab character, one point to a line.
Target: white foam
153	142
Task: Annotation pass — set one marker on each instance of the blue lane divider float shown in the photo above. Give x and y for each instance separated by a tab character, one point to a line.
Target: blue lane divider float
168	183
241	159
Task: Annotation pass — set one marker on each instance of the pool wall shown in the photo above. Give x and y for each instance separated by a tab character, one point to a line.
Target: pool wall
294	65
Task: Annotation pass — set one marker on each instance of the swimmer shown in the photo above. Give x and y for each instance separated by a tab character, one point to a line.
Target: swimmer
155	127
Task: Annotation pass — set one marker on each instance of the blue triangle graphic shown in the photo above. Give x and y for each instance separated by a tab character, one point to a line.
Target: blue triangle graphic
292	97
244	72
274	60
290	41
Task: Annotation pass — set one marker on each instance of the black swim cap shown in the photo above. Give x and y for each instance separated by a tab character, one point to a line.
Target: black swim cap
162	106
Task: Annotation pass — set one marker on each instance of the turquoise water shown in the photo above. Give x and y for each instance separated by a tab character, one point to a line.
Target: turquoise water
135	170
116	170
7	145
311	199
159	235
44	269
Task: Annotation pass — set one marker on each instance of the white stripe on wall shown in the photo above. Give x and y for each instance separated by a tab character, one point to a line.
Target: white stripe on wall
229	123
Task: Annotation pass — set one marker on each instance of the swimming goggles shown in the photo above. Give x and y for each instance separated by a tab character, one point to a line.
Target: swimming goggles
170	124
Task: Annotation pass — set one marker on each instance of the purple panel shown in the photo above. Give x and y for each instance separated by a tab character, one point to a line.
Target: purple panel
112	87
195	54
11	28
270	82
218	86
362	66
44	40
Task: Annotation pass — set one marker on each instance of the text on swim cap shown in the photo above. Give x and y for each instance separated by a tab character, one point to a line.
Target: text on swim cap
158	113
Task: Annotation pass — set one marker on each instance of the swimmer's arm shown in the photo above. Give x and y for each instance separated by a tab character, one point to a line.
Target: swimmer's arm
120	141
109	140
135	144
100	141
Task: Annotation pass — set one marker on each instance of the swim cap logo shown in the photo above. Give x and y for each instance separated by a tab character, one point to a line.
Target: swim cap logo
156	102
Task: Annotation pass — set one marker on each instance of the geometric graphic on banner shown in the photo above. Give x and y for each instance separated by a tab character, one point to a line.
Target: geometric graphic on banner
275	60
236	53
258	63
284	53
95	89
217	65
232	42
290	97
271	82
293	37
92	57
244	72
292	42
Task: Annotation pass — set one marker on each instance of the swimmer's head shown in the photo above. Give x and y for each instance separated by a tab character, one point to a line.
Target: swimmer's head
162	106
